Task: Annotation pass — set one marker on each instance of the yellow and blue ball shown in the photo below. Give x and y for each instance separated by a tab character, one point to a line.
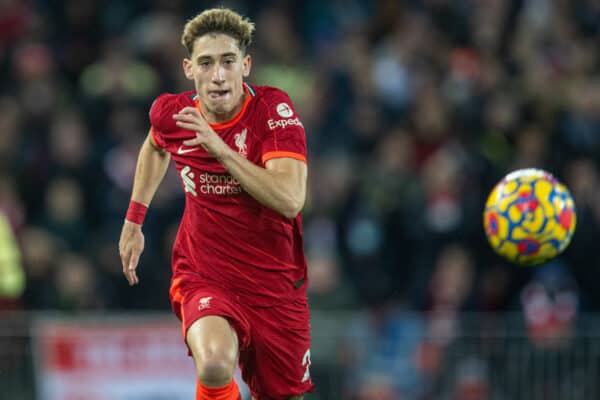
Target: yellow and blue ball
529	217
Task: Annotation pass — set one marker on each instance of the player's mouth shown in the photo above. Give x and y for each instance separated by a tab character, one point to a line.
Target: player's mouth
218	94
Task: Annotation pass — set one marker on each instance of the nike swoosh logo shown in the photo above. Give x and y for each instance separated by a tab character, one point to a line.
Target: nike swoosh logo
181	150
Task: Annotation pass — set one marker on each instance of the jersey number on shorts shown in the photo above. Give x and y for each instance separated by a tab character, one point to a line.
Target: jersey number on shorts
306	363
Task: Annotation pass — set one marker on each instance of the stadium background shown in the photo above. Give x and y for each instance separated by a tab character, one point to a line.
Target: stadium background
413	111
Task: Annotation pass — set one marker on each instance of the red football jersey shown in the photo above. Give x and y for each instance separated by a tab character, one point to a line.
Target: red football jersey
226	237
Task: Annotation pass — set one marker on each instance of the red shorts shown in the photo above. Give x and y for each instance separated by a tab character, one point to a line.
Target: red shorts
274	341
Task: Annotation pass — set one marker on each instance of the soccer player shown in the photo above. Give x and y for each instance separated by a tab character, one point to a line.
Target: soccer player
239	272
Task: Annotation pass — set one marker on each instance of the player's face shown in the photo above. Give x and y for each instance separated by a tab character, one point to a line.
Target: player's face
217	66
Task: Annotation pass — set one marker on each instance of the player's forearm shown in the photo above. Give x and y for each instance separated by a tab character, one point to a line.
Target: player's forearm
151	167
282	191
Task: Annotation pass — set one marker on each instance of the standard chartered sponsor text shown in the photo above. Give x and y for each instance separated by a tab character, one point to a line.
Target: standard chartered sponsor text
217	184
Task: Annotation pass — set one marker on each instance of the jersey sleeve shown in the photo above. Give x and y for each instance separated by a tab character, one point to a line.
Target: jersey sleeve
161	117
284	133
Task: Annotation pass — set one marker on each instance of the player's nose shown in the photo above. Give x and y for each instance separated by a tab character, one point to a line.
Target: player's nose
218	74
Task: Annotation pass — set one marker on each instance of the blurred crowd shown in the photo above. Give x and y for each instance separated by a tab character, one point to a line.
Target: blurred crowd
413	111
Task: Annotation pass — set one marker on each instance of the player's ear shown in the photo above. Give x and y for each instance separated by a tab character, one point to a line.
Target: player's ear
187	69
246	65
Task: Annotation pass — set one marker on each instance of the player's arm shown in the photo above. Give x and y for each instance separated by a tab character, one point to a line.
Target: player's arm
281	185
150	170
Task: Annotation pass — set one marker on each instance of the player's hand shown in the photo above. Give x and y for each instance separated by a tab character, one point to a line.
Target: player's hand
191	119
131	246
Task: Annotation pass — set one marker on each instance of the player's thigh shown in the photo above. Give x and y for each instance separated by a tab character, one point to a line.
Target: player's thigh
212	338
277	365
300	397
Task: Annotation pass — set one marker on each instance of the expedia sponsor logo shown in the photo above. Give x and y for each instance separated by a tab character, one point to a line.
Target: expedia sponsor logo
283	123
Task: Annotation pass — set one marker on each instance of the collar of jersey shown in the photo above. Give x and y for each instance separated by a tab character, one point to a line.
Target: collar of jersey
222	125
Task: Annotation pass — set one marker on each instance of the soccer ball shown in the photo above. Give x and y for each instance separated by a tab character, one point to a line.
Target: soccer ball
529	217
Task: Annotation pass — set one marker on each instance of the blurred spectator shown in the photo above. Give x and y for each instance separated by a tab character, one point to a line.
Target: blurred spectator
64	213
550	305
69	144
493	289
582	177
12	276
280	59
11	204
381	352
451	282
15	19
9	126
76	286
118	76
328	289
581	123
472	380
40	249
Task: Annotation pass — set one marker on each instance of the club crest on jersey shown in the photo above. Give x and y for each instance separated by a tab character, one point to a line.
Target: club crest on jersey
240	142
204	303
